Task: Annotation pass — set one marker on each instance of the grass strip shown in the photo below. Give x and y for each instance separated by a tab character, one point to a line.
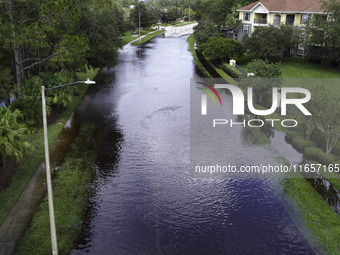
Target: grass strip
318	215
128	37
148	37
31	161
71	191
191	41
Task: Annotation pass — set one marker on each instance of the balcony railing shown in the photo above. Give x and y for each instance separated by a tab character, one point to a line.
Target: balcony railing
260	21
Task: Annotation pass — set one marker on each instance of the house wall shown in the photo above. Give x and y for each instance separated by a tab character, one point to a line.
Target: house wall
241	16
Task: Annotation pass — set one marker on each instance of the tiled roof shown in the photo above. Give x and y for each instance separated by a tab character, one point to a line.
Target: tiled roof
287	5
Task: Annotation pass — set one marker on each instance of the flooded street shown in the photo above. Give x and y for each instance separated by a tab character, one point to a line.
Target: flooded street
144	199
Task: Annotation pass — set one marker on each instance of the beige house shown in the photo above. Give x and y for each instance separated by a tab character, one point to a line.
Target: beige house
277	12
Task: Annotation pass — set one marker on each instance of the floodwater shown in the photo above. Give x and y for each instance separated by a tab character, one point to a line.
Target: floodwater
144	199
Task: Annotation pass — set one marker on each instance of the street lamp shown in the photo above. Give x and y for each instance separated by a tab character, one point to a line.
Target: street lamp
139	26
47	163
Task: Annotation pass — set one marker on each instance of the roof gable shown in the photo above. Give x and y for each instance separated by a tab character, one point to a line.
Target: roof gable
259	7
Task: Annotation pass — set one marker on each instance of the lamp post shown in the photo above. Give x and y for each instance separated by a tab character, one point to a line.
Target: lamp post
139	26
47	163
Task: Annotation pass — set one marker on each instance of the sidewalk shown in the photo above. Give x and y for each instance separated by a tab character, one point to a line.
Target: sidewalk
17	221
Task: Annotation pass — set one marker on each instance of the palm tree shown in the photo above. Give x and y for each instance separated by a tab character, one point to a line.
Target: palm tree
12	143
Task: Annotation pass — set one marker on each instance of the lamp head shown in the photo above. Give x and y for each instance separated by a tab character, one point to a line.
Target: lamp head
89	82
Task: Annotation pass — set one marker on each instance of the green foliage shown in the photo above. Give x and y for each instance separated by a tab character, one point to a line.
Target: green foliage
206	28
264	69
320	156
272	41
12	142
328	121
266	75
217	10
318	215
148	37
104	25
31	161
220	49
89	73
191	48
232	21
322	40
172	14
232	71
29	103
290	135
71	190
301	144
148	15
190	12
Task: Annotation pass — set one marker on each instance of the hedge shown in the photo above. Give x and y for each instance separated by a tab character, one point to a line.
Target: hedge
319	155
232	71
301	143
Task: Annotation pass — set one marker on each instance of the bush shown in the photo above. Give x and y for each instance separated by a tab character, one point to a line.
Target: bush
219	49
320	156
301	144
318	137
31	110
12	142
290	136
336	150
232	71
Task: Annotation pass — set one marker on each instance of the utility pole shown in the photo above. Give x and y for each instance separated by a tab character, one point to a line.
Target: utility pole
139	25
189	12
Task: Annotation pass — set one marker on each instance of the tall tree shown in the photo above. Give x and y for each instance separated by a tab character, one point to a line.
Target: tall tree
103	24
322	38
38	32
272	41
148	15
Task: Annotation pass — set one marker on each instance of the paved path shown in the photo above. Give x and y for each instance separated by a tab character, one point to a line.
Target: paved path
179	31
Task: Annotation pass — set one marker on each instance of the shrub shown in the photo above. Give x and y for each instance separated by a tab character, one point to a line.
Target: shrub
301	144
12	143
320	156
219	49
232	71
290	135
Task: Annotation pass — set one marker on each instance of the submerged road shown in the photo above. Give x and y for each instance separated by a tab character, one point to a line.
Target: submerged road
144	199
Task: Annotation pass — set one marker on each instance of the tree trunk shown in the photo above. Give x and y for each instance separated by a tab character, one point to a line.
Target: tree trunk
309	129
18	67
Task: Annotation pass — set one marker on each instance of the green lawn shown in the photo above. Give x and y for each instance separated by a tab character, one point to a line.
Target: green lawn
297	68
148	37
128	37
71	191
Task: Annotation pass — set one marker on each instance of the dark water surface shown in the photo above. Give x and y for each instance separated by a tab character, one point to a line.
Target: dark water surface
144	199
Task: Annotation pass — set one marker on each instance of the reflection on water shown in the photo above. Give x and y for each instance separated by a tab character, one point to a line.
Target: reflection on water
144	199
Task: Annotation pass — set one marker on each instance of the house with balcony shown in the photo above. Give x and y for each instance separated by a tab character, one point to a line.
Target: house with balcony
277	12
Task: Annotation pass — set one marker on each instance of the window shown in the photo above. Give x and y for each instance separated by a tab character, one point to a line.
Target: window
246	16
304	18
245	30
277	20
301	51
290	19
